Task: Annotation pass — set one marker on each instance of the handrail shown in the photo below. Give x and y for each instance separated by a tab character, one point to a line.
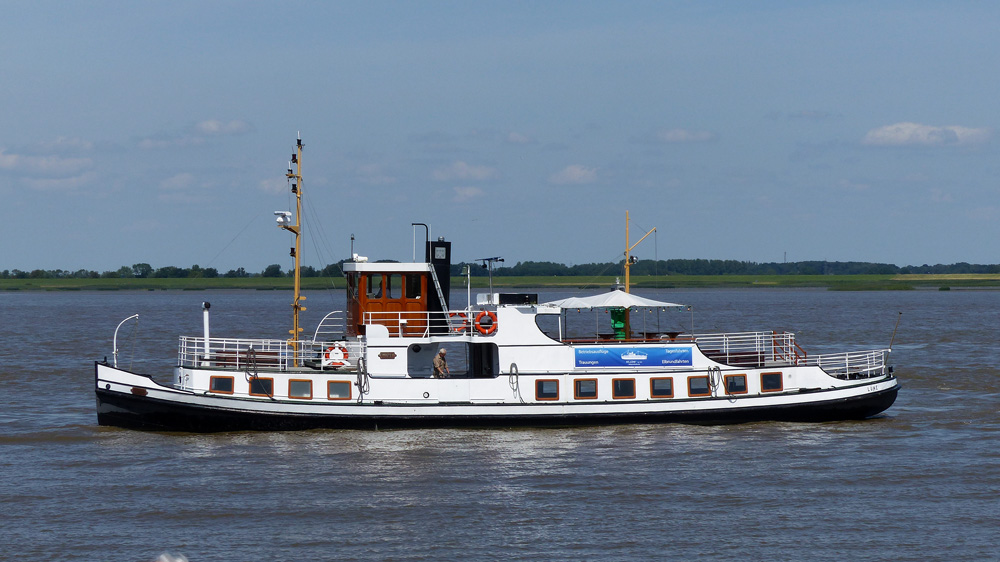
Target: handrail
333	318
417	323
862	363
114	353
752	348
271	354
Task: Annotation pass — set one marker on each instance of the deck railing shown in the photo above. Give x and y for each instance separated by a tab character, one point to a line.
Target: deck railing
854	364
420	323
263	354
751	349
762	349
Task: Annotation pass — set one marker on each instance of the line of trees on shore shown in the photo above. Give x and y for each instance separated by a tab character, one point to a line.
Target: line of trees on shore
535	268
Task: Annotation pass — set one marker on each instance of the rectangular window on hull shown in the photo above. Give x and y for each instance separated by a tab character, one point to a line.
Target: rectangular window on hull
300	389
698	386
261	387
622	388
338	390
547	390
585	389
222	385
661	387
770	382
736	384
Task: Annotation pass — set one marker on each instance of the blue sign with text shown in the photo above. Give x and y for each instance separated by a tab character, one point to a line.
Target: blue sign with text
601	356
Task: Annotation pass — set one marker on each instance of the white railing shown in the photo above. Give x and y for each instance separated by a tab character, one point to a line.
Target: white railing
855	364
419	323
752	348
773	348
331	325
262	354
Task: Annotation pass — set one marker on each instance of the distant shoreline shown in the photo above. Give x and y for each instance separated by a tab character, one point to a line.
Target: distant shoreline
833	282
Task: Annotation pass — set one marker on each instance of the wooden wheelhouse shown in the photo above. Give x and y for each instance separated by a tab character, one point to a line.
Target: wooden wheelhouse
409	299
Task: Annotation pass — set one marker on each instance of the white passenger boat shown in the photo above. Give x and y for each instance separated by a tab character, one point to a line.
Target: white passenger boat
516	362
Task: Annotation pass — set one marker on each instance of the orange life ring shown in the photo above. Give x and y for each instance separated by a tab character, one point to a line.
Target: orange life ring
491	325
463	321
336	356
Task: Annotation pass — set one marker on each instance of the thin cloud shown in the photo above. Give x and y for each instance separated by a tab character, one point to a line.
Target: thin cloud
518	138
196	135
162	142
60	184
916	134
684	136
804	115
273	185
463	171
853	185
213	127
464	194
178	182
940	196
373	174
985	213
574	175
812	115
67	144
43	165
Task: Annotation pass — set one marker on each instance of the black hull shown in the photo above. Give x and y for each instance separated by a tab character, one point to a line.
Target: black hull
140	412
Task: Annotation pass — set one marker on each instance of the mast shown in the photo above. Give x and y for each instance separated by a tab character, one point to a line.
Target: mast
629	260
296	229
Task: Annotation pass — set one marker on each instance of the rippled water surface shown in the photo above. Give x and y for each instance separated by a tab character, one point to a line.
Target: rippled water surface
921	482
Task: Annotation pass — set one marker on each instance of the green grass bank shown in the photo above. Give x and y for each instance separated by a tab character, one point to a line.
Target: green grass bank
832	282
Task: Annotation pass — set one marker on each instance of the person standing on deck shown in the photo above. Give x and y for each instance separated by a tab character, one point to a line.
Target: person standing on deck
441	365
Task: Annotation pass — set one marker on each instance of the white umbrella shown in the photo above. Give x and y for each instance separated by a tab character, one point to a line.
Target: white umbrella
613	299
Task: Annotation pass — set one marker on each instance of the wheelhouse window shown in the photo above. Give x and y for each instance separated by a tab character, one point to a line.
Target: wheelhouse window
413	286
338	390
222	385
547	389
302	389
736	384
698	386
770	382
622	389
374	286
261	387
661	387
585	389
394	286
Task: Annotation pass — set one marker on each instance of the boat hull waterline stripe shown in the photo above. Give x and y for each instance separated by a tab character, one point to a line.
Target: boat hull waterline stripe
162	408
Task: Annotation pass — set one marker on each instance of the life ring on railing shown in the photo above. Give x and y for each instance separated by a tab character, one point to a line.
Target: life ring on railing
463	320
335	356
490	325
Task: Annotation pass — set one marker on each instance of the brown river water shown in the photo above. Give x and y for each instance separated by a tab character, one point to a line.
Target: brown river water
920	482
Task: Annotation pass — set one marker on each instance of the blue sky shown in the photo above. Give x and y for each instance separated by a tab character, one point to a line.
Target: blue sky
159	132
